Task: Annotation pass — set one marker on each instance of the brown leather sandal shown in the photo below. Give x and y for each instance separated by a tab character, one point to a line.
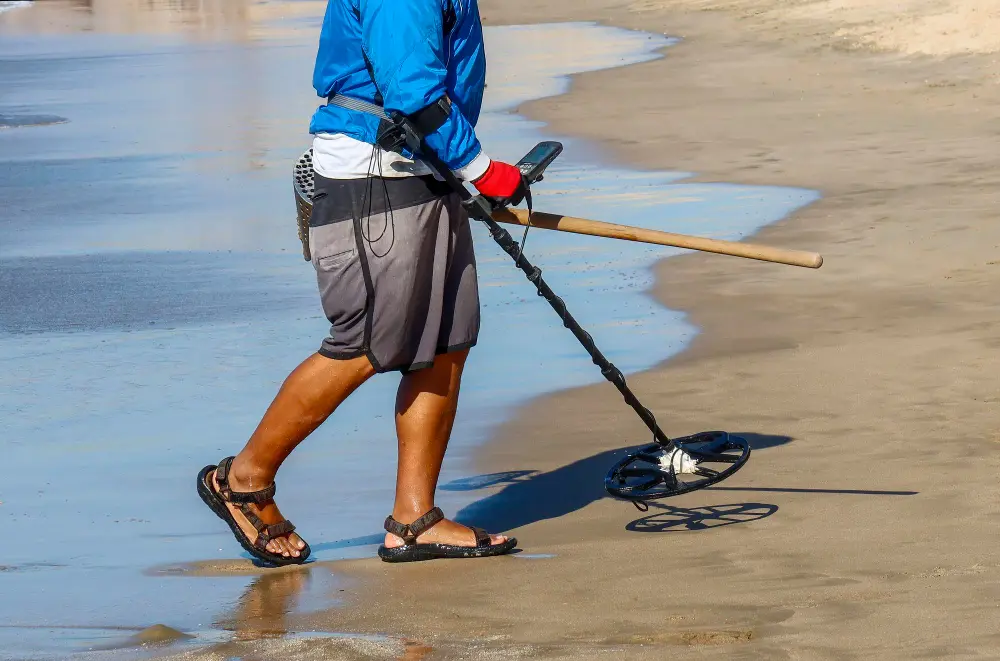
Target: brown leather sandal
217	499
411	551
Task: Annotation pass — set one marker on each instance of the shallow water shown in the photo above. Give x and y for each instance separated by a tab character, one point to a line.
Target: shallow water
153	297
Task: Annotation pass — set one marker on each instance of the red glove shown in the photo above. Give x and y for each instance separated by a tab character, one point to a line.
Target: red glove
503	183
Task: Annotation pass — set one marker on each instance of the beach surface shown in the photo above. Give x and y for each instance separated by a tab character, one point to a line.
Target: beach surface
865	523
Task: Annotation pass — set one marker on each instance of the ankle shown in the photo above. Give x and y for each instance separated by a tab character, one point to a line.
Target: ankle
409	513
245	475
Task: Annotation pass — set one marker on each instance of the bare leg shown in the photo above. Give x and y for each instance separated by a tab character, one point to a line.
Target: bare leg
426	404
308	396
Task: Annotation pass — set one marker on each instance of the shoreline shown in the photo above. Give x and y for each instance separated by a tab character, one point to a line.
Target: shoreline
865	387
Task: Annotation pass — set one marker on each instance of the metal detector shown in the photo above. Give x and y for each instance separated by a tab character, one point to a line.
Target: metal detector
667	467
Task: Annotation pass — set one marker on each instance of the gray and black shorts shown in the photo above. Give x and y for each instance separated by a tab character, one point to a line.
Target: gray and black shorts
396	270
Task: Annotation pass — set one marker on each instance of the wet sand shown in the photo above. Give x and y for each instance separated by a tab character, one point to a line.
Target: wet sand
865	524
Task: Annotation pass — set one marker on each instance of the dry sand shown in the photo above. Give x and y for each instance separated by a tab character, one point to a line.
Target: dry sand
933	27
874	377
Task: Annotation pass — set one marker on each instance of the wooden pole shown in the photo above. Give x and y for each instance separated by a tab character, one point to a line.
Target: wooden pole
551	221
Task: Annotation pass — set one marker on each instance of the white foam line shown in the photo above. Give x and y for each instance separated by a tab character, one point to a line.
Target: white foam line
8	5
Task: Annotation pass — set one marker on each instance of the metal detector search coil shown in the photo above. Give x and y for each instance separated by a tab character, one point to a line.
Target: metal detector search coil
660	470
643	475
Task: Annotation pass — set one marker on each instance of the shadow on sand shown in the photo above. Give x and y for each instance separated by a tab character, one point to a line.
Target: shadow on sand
684	519
529	496
532	496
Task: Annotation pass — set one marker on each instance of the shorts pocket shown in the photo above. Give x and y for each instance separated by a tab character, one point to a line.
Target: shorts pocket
333	245
331	262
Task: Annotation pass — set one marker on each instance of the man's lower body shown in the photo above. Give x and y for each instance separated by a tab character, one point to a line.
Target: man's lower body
397	278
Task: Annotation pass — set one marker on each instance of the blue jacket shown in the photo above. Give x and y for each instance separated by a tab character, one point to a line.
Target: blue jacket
414	64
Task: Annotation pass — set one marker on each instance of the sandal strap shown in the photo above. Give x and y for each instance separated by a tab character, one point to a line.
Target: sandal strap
426	522
398	529
243	500
264	495
410	531
265	533
483	539
279	529
222	472
252	517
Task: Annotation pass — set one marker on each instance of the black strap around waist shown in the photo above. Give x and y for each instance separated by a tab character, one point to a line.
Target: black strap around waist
336	200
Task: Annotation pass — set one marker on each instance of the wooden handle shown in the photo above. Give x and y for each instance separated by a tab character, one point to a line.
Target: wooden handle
552	221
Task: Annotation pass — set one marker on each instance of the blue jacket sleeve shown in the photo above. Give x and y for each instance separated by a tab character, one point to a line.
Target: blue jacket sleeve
404	42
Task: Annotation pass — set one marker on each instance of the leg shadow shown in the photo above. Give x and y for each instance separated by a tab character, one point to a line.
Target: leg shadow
531	496
477	482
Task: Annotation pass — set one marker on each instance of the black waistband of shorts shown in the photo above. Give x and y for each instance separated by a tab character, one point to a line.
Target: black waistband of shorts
344	199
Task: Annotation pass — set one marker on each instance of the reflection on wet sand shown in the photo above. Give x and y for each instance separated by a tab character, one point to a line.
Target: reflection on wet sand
415	651
263	609
266	623
232	19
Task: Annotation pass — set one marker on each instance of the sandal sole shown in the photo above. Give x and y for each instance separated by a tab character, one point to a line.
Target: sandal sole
218	506
422	552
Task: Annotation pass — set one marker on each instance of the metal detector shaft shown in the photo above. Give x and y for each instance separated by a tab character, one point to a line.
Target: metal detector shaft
480	209
560	223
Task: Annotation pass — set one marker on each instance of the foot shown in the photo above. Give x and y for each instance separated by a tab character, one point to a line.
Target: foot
289	546
445	532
